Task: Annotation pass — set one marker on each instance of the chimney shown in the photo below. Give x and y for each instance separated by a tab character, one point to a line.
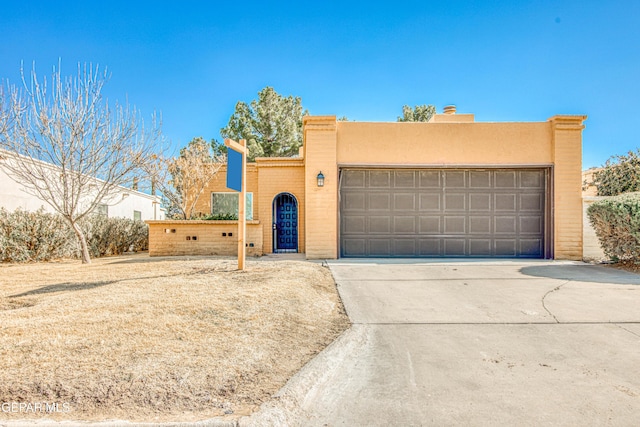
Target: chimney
449	109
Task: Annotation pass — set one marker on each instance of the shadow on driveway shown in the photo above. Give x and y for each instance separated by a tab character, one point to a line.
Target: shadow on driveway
583	273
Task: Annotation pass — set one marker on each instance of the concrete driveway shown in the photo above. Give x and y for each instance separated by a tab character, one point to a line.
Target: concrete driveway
475	343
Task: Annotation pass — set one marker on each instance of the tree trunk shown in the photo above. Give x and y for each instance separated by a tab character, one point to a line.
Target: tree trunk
86	258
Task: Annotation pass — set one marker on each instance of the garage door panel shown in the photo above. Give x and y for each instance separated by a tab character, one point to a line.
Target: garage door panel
531	202
454	179
429	202
430	225
404	179
531	225
405	247
480	202
441	213
380	247
505	202
505	247
353	202
380	225
404	201
354	179
430	247
380	179
455	202
480	225
505	179
380	201
505	224
479	179
455	247
455	225
430	179
404	225
480	247
355	224
531	179
354	246
531	247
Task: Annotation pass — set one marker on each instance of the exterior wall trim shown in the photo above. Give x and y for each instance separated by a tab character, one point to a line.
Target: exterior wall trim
199	221
444	166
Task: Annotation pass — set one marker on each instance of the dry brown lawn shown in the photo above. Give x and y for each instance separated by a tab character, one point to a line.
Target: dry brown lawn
159	339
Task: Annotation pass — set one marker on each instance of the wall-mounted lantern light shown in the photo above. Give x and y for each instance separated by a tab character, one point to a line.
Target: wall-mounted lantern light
320	179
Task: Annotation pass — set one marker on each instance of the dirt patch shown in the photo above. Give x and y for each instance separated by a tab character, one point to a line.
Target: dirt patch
159	339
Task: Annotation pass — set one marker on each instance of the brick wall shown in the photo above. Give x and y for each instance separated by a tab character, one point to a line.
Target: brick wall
321	225
167	238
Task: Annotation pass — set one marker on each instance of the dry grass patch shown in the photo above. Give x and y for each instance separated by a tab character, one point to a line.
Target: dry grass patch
159	339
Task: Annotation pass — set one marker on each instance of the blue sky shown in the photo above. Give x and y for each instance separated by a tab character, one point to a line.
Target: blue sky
501	60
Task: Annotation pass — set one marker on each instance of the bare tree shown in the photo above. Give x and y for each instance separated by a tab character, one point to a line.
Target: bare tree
66	144
182	179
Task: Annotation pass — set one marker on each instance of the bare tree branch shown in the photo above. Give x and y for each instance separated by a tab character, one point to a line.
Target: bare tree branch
68	146
182	179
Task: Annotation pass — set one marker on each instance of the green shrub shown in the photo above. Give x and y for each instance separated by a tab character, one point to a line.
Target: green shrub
616	221
620	174
40	236
213	217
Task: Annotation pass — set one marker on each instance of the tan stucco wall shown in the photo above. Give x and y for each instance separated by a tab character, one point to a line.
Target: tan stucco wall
328	145
588	187
277	176
444	143
567	186
219	184
167	238
556	143
320	148
266	178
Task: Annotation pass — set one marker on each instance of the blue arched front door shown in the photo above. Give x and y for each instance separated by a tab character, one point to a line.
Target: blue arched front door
285	223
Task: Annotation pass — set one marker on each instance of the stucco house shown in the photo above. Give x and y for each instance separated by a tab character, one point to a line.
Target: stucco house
124	203
452	187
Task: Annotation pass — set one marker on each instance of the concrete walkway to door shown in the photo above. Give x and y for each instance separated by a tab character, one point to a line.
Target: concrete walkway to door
474	343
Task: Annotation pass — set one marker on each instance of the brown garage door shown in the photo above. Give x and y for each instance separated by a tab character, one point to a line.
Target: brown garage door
442	212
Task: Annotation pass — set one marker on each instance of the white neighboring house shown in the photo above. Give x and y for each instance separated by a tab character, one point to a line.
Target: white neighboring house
127	203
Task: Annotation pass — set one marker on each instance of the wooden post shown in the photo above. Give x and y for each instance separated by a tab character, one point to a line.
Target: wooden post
241	147
242	217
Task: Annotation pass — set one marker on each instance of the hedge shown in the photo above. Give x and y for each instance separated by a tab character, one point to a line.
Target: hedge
114	236
620	174
616	221
40	236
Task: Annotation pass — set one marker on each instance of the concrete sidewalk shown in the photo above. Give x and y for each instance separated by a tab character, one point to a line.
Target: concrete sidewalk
474	343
